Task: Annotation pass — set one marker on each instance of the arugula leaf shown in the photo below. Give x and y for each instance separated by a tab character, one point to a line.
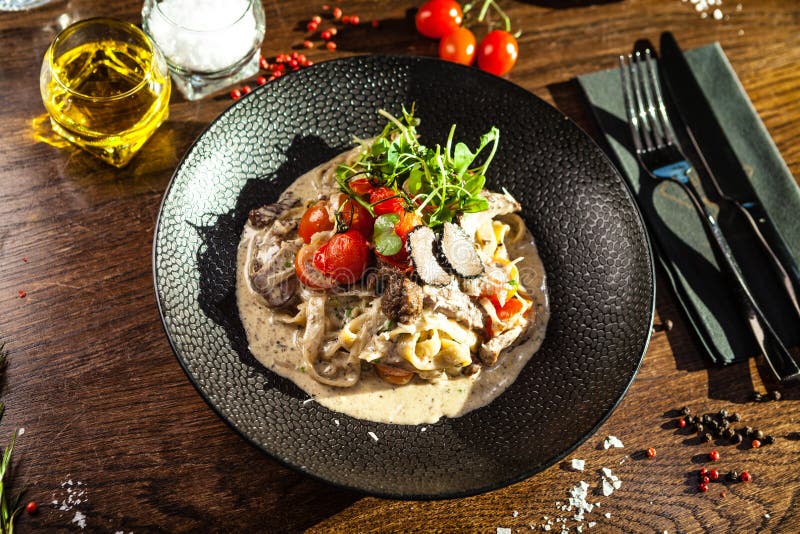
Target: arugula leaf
387	242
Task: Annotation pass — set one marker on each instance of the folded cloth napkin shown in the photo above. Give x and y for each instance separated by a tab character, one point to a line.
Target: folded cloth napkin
682	245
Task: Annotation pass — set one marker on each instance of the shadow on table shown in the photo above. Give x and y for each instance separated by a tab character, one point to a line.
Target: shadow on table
393	36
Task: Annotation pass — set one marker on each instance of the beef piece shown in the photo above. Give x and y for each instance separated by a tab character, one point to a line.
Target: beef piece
491	349
454	303
266	215
402	298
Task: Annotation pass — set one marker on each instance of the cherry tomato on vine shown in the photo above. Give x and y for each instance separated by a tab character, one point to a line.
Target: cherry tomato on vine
344	258
497	52
357	217
360	186
315	219
458	46
437	18
385	200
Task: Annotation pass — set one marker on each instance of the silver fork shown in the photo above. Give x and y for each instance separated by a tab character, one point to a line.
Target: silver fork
660	155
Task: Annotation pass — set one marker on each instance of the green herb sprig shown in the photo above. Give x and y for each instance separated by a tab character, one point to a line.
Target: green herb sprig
439	183
9	506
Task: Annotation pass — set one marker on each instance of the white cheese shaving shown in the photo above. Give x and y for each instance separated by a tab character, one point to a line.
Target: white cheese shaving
613	441
503	530
80	520
607	515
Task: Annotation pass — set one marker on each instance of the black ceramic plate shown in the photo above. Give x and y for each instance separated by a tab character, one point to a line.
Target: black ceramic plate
590	236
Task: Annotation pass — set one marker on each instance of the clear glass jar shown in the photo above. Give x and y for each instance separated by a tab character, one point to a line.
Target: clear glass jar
106	87
208	44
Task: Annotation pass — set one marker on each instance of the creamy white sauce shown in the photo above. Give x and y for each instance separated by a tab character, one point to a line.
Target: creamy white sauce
277	346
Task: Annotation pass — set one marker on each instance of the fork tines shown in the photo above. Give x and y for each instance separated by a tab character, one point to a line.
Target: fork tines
644	103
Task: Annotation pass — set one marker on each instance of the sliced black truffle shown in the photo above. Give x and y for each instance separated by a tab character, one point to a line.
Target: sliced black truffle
459	252
421	241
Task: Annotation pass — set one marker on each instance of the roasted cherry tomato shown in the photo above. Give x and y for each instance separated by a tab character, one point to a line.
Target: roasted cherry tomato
317	218
361	186
344	258
458	46
357	217
497	52
307	273
384	200
437	18
507	310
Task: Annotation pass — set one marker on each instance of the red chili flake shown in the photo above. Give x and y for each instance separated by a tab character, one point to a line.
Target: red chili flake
22	294
326	35
308	44
722	494
24	259
703	487
376	23
745	477
681	423
308	63
295	54
713	474
705	480
337	13
755	444
261	80
325	7
31	507
713	455
246	90
277	74
651	452
262	62
316	18
346	19
271	78
312	26
330	45
703	471
282	58
277	67
355	20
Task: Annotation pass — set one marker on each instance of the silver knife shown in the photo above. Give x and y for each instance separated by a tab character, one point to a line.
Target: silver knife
719	160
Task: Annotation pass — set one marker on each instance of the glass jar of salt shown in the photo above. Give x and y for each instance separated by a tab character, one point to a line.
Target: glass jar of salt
208	44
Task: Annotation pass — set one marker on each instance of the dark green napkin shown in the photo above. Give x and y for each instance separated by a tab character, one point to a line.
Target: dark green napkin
677	233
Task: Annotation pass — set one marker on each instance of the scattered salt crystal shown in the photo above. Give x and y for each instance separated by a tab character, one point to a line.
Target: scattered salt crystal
718	14
79	519
514	513
738	7
20	431
546	528
767	516
612	441
336	421
577	465
623	460
608	489
592	524
372	435
741	32
607	515
503	530
579	529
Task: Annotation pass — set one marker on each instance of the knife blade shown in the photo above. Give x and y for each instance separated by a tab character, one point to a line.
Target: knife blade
724	167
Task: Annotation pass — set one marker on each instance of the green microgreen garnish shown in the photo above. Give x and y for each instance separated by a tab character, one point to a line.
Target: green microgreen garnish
438	183
387	242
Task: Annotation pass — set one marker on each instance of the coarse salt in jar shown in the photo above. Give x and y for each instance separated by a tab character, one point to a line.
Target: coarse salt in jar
208	44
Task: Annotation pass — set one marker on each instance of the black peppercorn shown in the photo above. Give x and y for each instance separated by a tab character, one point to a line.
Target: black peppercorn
732	475
691	419
735	417
722	414
748	431
729	433
707	419
686	410
758	397
776	395
737	438
699	428
769	440
757	434
706	437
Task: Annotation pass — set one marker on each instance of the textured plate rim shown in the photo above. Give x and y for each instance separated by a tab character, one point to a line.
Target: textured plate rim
385	494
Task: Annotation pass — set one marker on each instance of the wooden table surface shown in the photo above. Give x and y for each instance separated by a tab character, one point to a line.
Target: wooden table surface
111	419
